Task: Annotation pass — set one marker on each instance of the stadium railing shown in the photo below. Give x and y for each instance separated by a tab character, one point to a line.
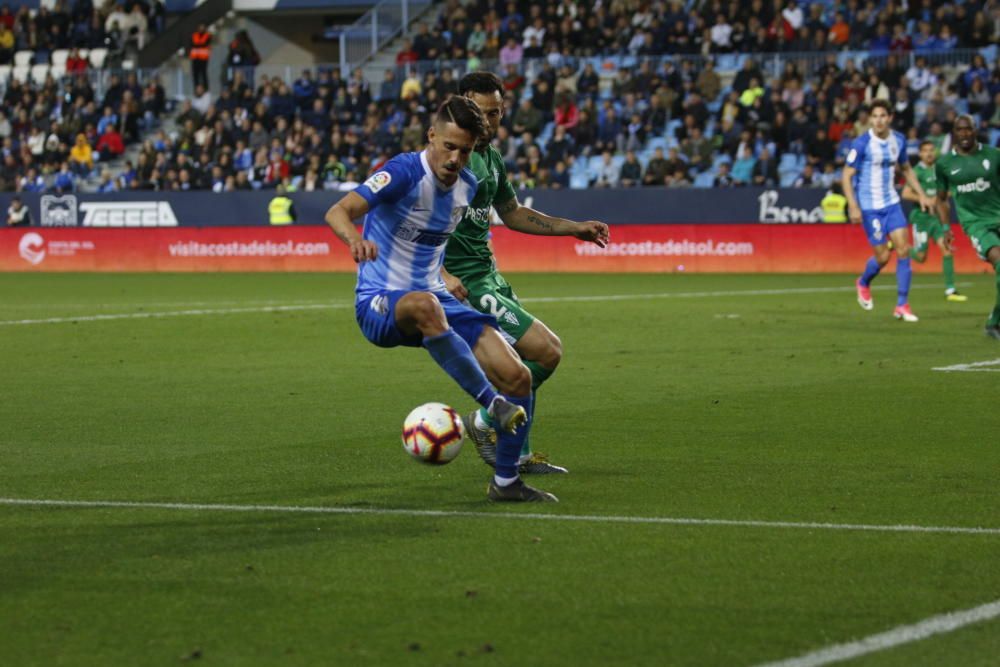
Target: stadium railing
380	25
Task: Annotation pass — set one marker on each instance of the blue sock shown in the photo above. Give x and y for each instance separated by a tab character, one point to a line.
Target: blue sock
526	446
871	270
509	444
903	275
453	354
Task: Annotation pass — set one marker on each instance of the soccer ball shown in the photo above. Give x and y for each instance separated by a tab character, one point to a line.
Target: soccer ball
433	433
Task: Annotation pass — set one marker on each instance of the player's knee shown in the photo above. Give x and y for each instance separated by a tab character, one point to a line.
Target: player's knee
514	379
425	310
903	250
552	354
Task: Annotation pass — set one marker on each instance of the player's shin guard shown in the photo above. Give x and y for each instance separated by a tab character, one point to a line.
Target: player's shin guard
948	266
453	354
904	274
509	444
871	270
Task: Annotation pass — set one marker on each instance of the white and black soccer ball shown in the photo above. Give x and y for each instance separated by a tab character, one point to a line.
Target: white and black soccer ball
433	433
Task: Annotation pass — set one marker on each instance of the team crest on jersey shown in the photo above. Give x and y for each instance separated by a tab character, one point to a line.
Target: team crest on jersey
380	304
457	214
378	180
986	165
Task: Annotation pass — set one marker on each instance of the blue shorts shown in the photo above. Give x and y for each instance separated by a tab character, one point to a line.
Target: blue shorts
376	315
881	222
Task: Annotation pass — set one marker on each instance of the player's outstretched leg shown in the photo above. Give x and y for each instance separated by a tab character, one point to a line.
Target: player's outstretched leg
948	269
421	312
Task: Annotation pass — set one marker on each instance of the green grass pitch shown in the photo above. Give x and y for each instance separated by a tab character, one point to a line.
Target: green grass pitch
743	398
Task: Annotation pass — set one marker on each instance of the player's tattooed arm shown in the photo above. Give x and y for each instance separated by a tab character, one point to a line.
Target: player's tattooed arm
529	221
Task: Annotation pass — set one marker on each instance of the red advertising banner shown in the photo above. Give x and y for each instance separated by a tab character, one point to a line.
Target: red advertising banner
745	248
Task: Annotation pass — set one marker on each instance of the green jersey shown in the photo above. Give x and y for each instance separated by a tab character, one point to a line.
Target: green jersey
468	252
927	178
974	183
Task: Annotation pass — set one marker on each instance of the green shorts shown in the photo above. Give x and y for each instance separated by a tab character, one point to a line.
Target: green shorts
493	295
925	228
983	238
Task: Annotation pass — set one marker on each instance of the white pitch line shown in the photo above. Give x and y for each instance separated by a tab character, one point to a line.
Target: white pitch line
589	518
904	634
165	304
699	295
554	299
976	366
173	313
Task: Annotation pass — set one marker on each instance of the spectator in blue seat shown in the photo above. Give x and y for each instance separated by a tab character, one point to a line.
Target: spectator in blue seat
630	174
765	171
390	87
723	177
742	171
64	181
304	90
608	172
282	102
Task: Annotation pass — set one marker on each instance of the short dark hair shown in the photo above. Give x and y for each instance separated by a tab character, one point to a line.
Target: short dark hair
880	103
965	116
465	113
482	83
927	142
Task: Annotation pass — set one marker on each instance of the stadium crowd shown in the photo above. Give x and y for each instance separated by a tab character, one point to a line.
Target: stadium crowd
81	24
591	100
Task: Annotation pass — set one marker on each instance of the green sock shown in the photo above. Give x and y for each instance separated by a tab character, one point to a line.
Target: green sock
994	320
948	264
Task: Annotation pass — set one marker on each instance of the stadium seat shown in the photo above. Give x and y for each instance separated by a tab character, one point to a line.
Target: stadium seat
57	71
704	179
38	73
579	182
787	178
59	57
721	158
657	142
990	52
4	74
21	74
788	162
23	58
97	57
994	136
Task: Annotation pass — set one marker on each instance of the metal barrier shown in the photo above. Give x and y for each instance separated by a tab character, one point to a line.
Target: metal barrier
381	24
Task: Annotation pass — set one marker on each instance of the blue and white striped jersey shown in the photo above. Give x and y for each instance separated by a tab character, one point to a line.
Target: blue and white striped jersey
410	217
876	159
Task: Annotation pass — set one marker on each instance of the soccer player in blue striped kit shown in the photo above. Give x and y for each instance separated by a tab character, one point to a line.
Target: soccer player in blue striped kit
868	182
411	207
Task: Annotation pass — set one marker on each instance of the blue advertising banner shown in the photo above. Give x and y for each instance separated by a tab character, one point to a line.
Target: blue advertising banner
623	207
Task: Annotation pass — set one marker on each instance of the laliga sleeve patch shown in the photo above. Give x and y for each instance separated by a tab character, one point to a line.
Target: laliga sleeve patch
378	180
851	157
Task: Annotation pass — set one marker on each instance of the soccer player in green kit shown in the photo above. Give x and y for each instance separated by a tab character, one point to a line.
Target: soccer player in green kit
471	274
970	173
927	226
